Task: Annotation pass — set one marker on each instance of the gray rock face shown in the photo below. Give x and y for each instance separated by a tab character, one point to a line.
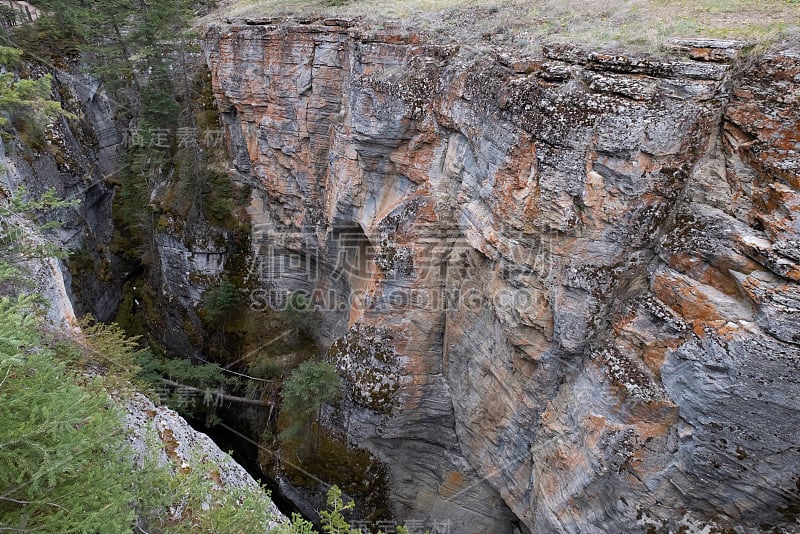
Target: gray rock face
178	444
80	154
565	295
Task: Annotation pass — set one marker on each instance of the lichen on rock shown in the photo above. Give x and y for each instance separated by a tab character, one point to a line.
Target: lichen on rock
366	359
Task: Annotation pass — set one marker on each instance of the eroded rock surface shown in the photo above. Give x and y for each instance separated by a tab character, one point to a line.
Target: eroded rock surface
567	287
160	431
74	158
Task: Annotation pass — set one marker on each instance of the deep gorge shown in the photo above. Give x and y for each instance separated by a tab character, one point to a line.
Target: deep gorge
623	225
562	292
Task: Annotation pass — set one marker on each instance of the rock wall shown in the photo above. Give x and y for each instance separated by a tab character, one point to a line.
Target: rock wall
563	291
74	157
78	156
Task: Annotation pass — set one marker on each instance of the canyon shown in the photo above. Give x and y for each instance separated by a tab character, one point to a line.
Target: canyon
563	291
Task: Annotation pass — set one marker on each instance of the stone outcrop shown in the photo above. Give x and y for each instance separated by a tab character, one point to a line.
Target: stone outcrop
152	429
73	157
564	290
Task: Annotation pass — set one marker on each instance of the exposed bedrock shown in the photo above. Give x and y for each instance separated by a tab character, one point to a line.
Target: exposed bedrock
564	291
74	157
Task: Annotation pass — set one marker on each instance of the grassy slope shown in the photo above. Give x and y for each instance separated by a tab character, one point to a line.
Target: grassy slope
643	25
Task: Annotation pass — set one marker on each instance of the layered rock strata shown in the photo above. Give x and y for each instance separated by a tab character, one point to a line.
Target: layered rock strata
564	291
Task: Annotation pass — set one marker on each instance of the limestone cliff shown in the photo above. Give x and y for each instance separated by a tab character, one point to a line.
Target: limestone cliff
150	428
564	290
74	157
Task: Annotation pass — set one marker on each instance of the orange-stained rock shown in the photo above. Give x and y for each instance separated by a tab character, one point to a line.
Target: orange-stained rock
575	276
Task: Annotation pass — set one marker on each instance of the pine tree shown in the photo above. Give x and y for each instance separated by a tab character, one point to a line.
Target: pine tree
310	386
61	467
221	301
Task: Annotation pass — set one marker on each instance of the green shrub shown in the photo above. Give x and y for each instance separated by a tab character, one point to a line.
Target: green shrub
218	199
64	463
309	387
18	224
265	367
61	463
298	314
200	376
221	301
108	346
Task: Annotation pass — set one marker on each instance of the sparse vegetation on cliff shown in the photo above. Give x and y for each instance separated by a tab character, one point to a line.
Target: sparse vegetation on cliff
65	461
496	403
634	24
60	461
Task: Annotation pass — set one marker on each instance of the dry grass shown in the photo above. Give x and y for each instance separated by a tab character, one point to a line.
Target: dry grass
642	25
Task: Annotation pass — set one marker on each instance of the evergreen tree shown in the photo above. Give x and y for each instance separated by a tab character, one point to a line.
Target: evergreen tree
32	96
221	301
61	467
310	386
298	313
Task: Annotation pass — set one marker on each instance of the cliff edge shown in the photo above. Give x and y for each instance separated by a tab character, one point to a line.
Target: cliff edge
564	289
